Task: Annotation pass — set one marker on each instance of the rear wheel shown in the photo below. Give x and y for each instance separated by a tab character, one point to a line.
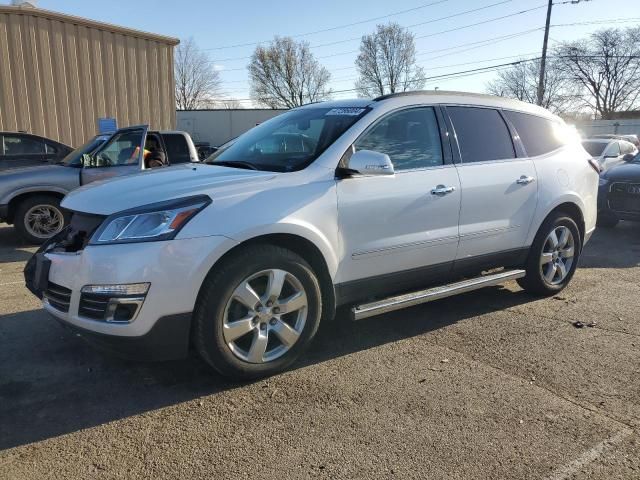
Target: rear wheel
39	218
553	257
257	312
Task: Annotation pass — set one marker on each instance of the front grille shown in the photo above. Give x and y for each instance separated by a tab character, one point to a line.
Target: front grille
58	296
93	306
624	197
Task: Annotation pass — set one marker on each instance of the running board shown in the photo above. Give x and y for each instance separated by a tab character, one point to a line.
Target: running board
423	296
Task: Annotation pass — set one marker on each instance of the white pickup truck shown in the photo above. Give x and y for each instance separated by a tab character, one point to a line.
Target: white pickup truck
30	197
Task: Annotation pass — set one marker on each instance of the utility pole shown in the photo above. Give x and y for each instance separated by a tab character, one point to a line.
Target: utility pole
543	60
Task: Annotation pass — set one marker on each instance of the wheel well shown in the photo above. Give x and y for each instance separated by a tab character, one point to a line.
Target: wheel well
572	210
307	250
15	201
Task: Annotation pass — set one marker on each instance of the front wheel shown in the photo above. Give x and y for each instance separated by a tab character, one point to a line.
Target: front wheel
553	256
257	312
40	217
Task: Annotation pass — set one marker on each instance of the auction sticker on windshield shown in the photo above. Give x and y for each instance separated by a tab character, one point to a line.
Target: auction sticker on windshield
349	111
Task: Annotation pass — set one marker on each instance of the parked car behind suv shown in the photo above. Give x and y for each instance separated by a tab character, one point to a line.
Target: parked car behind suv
30	197
619	194
381	204
609	152
21	149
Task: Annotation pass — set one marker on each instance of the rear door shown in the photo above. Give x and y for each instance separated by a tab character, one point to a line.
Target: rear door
121	155
499	188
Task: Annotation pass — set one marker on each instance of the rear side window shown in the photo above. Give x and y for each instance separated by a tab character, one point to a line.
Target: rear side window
482	134
538	135
411	138
18	145
177	148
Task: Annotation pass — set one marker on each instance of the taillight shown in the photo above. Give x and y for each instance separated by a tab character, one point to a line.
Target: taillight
595	165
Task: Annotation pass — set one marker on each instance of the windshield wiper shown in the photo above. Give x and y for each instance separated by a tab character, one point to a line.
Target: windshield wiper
234	164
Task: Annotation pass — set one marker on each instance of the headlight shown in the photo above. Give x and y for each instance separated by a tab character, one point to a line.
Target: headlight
603	181
158	221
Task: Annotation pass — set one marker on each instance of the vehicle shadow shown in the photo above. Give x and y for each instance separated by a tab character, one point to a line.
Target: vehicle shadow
52	383
12	247
613	248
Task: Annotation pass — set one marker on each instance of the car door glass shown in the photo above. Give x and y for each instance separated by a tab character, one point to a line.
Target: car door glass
613	150
122	149
538	135
482	134
17	145
177	148
411	138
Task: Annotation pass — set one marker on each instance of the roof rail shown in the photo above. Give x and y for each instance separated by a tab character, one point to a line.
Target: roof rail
429	92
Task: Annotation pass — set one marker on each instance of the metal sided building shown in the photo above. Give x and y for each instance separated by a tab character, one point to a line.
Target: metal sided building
59	74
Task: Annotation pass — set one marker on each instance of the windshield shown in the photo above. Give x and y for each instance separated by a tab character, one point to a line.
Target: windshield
594	149
74	159
290	141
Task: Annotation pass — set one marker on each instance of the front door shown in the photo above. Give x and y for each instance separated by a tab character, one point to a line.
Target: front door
407	222
499	190
121	155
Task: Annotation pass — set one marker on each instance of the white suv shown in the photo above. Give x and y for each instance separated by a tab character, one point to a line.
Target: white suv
376	204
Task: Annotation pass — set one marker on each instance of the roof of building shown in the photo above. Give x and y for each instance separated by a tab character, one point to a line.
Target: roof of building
72	19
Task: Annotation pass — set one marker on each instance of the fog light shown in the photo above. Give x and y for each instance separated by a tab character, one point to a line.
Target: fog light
116	289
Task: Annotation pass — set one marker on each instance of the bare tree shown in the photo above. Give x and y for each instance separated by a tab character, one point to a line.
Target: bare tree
286	74
521	82
229	104
606	69
197	82
387	62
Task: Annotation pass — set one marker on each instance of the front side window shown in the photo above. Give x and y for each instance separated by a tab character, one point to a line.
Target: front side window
482	134
18	145
613	150
290	141
411	138
538	135
122	149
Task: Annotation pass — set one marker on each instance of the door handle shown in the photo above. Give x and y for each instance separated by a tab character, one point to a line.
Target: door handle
524	180
441	190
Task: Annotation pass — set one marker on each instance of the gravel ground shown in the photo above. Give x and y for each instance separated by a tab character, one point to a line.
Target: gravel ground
494	384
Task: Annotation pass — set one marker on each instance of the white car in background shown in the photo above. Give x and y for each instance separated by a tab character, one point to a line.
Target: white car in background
609	152
381	204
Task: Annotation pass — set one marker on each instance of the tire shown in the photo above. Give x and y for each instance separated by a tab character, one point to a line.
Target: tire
38	231
550	274
220	341
607	221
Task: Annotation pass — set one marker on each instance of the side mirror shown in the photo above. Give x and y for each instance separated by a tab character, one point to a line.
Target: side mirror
368	162
628	157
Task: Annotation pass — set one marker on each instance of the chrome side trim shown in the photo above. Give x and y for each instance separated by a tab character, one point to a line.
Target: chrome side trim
423	296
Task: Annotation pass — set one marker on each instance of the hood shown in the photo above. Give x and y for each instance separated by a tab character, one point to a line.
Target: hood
56	178
121	193
624	172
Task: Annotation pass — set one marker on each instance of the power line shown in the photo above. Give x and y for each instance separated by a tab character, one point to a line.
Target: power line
330	29
337	42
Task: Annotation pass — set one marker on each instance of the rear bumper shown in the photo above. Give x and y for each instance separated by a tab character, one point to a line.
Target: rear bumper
168	339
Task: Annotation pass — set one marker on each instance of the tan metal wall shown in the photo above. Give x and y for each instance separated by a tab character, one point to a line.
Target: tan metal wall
59	74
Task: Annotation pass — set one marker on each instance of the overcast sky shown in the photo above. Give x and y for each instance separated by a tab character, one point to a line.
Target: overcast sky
222	25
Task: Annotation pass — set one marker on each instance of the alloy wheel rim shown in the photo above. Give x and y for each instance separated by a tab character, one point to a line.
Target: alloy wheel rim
557	255
265	316
43	221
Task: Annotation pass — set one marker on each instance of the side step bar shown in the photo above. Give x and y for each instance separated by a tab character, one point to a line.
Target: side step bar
423	296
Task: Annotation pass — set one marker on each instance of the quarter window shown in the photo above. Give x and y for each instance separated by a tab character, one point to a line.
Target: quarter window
538	135
482	134
411	138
